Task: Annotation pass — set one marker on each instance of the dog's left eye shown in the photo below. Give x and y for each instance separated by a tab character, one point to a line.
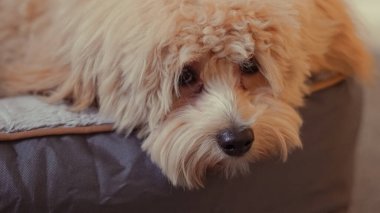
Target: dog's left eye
188	76
250	67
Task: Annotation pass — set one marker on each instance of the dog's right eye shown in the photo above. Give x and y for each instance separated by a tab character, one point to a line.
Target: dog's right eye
188	76
250	67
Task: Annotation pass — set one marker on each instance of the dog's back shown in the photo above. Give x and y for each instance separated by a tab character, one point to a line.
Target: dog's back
332	40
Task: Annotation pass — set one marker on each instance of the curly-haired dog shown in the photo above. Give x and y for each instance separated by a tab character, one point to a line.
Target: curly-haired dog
208	84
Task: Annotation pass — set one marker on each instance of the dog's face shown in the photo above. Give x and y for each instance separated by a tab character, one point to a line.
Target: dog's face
230	102
219	86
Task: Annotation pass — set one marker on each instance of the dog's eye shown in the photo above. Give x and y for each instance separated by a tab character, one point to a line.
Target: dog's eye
188	76
250	67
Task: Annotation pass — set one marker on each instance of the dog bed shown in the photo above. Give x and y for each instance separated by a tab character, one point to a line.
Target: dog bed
28	116
101	171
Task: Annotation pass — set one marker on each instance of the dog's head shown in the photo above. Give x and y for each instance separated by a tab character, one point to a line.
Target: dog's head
210	85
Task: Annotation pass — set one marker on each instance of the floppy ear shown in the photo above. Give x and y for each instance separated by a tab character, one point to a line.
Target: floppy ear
333	41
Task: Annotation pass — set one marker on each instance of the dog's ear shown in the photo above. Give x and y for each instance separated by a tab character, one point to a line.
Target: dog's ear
332	40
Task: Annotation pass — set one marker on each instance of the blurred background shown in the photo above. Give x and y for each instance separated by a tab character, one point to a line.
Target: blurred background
367	178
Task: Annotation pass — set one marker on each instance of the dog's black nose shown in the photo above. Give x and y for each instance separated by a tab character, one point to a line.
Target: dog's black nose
235	142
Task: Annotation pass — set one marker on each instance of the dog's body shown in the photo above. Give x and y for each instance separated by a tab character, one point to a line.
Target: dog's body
195	78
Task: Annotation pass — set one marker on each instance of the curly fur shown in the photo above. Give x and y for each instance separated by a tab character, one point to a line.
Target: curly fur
126	57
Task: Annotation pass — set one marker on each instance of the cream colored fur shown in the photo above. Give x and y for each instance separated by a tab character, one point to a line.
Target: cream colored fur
126	57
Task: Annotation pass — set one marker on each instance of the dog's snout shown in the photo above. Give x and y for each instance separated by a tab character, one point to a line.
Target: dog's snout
235	142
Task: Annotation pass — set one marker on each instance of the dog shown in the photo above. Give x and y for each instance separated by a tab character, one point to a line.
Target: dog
207	84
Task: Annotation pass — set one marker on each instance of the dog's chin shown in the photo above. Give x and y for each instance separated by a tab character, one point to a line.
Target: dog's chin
185	148
185	156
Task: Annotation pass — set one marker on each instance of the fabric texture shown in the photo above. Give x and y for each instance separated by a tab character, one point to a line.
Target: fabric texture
109	173
25	113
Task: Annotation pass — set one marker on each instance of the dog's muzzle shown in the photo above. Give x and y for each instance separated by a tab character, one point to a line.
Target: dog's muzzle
235	142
